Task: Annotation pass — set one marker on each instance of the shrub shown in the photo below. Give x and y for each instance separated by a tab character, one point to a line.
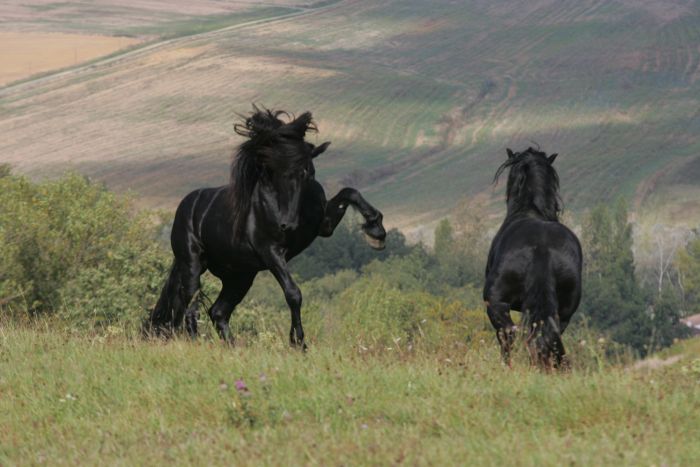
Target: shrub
372	313
72	249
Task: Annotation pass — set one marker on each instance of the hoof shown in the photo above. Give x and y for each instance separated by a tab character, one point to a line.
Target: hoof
376	243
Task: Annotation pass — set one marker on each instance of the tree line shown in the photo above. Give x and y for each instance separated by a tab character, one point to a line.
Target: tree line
75	251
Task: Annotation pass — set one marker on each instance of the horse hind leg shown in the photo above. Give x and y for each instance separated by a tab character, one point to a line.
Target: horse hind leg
161	321
192	314
188	308
499	315
561	361
545	345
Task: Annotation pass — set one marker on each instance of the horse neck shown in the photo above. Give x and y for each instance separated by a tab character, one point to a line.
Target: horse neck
521	208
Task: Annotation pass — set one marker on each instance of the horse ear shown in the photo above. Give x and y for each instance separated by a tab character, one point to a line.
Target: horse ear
552	157
300	125
510	153
318	150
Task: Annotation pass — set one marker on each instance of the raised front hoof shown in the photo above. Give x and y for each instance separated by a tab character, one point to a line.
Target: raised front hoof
375	243
375	234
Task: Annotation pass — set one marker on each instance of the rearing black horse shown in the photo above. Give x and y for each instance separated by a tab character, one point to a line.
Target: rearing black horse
534	265
272	209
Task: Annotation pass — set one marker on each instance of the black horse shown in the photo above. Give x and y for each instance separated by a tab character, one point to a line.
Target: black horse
534	265
272	209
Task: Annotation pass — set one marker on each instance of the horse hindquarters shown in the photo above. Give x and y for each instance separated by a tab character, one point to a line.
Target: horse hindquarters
176	299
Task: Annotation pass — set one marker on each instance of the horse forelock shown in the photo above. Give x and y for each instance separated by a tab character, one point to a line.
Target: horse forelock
271	142
533	184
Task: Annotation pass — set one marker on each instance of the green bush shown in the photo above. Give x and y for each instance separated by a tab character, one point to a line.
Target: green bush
373	313
122	290
73	250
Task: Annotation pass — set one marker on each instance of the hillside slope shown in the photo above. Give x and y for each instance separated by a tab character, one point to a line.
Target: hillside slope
419	98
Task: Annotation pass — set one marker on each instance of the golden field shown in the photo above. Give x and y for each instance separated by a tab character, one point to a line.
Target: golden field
24	54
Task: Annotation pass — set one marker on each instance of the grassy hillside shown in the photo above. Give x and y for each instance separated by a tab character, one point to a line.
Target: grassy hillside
419	98
81	400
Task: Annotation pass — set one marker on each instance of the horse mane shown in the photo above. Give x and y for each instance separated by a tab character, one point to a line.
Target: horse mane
531	187
272	142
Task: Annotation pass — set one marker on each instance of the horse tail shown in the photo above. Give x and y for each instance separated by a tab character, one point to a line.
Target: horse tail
541	309
162	318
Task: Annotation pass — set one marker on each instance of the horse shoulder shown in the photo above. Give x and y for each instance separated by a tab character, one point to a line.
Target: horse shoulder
313	206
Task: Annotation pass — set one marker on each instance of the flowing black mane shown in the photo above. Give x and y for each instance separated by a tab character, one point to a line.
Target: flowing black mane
533	184
271	143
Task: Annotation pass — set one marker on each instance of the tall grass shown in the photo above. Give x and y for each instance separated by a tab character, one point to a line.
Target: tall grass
100	399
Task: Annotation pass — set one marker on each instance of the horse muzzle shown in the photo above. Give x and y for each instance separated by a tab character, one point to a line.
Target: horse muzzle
288	227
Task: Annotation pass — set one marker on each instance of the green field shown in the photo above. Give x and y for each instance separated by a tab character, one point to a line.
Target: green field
419	98
89	400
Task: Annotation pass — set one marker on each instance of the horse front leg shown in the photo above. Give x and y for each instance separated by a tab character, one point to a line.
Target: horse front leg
278	267
335	210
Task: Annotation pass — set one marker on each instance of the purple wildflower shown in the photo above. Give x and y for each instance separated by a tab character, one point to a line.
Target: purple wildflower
241	387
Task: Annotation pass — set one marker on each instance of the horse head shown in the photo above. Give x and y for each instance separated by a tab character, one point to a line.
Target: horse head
533	183
280	161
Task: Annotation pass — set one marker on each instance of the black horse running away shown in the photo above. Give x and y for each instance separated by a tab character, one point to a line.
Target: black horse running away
534	265
272	209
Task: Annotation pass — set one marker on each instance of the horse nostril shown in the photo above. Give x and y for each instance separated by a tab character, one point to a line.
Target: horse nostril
283	227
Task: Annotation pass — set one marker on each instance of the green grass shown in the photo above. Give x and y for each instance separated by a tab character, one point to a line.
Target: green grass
89	400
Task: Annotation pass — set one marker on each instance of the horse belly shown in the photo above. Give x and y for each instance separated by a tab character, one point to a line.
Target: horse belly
233	263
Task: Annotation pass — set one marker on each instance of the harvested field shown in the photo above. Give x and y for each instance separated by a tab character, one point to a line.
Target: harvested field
24	54
420	100
113	18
